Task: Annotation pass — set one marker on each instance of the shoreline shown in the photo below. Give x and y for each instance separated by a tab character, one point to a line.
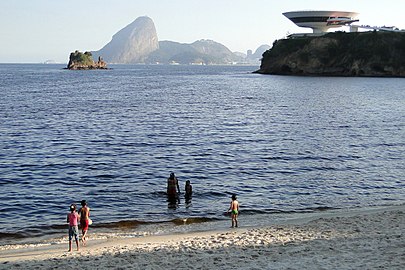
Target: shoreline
359	238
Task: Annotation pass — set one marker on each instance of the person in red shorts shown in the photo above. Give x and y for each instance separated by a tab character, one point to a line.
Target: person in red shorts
84	213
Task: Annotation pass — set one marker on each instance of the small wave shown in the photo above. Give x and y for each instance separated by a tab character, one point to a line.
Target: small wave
122	224
105	176
194	220
196	194
131	224
212	194
316	209
280	211
11	235
4	182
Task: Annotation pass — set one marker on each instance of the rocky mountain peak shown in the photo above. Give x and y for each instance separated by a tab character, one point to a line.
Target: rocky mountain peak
132	44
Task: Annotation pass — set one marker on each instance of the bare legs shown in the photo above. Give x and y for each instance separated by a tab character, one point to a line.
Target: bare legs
234	220
73	232
84	237
70	245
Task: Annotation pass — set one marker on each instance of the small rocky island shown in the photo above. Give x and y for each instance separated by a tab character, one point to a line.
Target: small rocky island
372	54
79	60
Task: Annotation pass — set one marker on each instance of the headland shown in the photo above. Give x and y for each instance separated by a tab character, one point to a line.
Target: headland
372	54
377	53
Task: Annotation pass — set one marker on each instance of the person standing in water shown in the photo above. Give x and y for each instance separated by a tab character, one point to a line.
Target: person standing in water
234	209
172	185
188	188
84	213
188	192
73	220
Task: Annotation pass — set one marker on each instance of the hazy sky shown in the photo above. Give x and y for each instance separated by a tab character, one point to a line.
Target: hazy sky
37	30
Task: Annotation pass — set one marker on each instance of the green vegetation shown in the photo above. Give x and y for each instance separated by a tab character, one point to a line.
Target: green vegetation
281	47
339	53
78	60
84	59
364	46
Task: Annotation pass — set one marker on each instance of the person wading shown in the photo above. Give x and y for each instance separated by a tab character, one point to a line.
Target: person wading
172	187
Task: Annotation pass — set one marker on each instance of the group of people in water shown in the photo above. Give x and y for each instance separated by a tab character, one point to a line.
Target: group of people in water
75	218
82	217
173	191
173	188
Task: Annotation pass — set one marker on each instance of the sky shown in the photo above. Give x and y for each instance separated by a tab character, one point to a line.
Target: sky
33	31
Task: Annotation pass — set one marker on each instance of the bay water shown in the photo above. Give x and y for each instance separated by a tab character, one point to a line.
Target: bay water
282	144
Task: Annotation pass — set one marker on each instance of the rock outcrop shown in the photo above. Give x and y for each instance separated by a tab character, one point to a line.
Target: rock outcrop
132	44
79	60
338	54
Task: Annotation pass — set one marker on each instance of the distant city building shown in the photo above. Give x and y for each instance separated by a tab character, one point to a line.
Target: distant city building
322	21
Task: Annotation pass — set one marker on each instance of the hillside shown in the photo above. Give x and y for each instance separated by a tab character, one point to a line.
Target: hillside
137	43
200	52
259	52
338	54
132	44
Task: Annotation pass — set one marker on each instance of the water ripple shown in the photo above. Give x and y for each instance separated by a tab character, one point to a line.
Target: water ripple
282	144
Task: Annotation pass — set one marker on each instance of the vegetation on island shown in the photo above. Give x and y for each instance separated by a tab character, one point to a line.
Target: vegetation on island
338	54
83	58
79	60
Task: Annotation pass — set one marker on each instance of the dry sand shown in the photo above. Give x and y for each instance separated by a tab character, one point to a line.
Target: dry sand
356	240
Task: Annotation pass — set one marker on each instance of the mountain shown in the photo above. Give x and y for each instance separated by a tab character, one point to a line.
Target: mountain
132	44
255	58
374	53
202	51
170	51
138	43
259	51
215	53
240	54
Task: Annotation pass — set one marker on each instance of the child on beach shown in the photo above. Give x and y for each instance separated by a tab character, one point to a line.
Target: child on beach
234	208
73	219
84	220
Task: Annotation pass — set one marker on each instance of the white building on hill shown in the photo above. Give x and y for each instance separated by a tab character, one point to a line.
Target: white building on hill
322	21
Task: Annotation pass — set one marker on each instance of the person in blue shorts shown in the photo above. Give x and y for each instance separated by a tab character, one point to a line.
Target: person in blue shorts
73	220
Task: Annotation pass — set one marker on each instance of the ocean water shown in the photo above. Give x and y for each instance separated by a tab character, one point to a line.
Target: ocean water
282	144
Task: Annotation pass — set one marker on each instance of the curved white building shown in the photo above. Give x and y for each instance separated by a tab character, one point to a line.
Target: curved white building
321	21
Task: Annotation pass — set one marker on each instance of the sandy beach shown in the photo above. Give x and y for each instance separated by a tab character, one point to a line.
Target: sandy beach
360	239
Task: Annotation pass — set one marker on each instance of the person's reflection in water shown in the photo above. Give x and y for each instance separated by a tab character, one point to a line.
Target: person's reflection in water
173	203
